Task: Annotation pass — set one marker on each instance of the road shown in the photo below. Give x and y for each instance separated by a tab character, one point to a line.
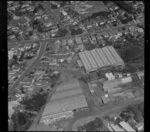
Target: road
103	111
10	45
41	52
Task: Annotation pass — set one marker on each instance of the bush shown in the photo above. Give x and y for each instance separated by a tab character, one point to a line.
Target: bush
125	6
94	125
36	102
21	121
76	31
135	111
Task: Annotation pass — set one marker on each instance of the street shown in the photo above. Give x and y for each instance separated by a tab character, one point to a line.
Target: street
103	111
11	45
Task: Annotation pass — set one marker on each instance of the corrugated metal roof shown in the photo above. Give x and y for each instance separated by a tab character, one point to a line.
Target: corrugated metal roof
116	128
85	61
103	57
113	51
97	59
126	126
91	60
108	55
111	54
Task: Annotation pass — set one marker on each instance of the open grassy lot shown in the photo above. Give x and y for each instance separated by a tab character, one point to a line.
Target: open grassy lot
92	7
132	54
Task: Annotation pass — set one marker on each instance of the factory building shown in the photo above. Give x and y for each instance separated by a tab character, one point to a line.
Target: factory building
99	58
68	97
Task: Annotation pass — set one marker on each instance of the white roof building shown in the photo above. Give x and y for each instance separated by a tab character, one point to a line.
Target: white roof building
140	126
99	58
116	128
126	126
10	54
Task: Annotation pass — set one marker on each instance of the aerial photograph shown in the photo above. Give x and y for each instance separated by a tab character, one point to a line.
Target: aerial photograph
76	65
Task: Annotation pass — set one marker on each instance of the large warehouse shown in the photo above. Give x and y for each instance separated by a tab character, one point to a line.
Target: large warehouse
99	58
67	97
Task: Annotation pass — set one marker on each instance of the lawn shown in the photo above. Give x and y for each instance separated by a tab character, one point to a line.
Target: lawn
92	7
132	54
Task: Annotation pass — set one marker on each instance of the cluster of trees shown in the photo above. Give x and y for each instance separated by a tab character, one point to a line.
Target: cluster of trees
125	6
90	46
76	31
94	125
134	112
39	7
35	102
84	78
61	32
54	79
20	121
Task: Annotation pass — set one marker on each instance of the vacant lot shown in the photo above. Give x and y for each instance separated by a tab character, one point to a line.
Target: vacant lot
132	54
92	7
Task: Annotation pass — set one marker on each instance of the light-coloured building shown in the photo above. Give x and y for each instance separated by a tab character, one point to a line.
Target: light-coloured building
99	58
78	40
105	99
126	126
140	126
116	128
126	79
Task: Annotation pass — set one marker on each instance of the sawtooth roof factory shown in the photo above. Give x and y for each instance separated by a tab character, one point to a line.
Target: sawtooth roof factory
100	58
66	98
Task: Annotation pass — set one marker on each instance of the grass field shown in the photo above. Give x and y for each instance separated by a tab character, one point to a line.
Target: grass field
92	7
132	54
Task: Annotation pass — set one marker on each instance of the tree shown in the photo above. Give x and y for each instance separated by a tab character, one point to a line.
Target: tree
21	120
141	108
94	125
137	114
35	102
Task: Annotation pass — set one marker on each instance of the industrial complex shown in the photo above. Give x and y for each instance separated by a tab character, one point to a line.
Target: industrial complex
66	98
99	58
